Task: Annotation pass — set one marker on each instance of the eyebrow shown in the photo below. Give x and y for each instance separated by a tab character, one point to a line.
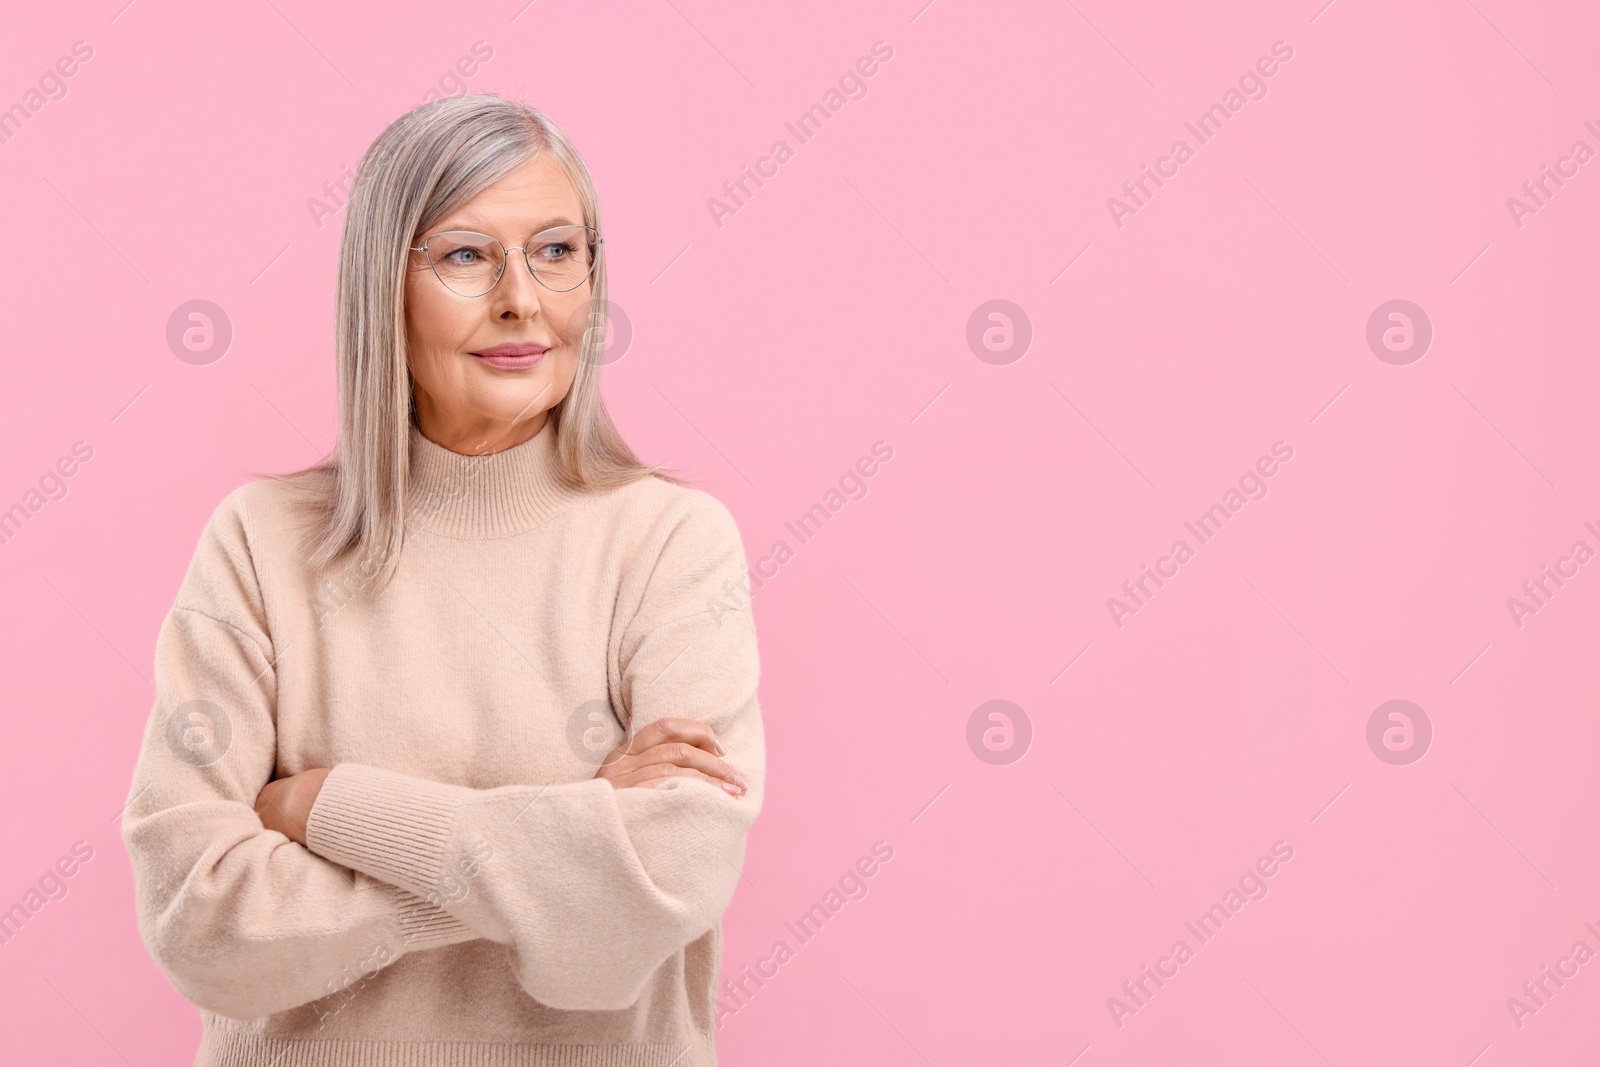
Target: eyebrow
540	227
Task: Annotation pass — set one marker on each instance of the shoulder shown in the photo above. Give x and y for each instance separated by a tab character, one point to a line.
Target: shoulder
250	544
228	524
684	554
270	507
259	518
222	579
665	512
674	541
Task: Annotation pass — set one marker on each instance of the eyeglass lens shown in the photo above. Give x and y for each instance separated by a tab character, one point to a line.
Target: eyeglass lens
470	263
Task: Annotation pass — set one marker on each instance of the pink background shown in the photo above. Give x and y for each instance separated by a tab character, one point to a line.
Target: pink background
831	312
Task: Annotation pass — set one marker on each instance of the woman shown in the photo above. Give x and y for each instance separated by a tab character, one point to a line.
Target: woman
482	796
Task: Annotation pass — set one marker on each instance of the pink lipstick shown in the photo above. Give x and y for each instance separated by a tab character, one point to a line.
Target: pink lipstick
513	356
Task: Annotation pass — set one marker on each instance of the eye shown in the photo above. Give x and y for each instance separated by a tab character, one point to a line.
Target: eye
469	256
555	252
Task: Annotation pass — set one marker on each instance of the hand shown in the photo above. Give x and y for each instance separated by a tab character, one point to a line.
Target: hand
285	804
667	749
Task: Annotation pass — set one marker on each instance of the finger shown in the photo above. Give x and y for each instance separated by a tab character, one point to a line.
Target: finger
659	774
263	800
662	731
272	816
675	729
685	755
680	753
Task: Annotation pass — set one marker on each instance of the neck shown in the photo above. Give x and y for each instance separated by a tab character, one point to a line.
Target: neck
491	495
478	438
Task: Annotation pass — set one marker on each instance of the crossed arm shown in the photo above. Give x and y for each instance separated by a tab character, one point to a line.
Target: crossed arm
255	896
663	750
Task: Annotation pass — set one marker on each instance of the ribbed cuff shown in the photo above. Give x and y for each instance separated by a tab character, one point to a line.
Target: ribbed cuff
424	925
392	826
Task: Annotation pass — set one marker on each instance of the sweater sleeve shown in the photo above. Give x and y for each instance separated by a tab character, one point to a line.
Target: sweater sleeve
591	886
243	921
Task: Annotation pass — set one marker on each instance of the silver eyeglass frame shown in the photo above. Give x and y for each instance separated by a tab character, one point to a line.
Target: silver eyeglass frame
434	270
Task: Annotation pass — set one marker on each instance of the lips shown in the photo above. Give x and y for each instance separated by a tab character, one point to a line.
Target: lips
513	356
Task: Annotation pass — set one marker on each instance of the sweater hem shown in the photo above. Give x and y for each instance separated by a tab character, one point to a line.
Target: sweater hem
222	1049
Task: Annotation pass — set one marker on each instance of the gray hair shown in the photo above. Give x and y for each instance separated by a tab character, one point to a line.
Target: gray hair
423	166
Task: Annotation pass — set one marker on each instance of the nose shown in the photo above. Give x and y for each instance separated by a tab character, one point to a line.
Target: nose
518	293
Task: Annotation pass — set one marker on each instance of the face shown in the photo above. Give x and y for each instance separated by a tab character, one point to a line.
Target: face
463	402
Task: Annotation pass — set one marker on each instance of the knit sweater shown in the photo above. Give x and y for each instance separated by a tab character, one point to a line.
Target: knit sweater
469	892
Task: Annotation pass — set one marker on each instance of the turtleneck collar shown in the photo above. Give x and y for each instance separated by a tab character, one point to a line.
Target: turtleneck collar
494	495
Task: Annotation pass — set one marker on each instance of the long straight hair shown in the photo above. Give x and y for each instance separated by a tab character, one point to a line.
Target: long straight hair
423	166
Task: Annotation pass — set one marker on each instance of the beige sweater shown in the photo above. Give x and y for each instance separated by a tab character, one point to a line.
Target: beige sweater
471	893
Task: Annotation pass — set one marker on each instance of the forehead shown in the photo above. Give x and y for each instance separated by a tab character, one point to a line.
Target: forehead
534	196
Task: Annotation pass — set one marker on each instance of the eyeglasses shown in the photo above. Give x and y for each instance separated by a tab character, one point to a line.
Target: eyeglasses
471	263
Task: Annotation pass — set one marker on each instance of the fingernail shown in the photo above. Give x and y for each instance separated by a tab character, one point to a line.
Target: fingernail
730	787
739	781
720	750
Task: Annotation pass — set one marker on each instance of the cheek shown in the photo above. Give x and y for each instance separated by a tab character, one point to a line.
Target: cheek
420	313
429	345
435	322
564	369
572	316
431	311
